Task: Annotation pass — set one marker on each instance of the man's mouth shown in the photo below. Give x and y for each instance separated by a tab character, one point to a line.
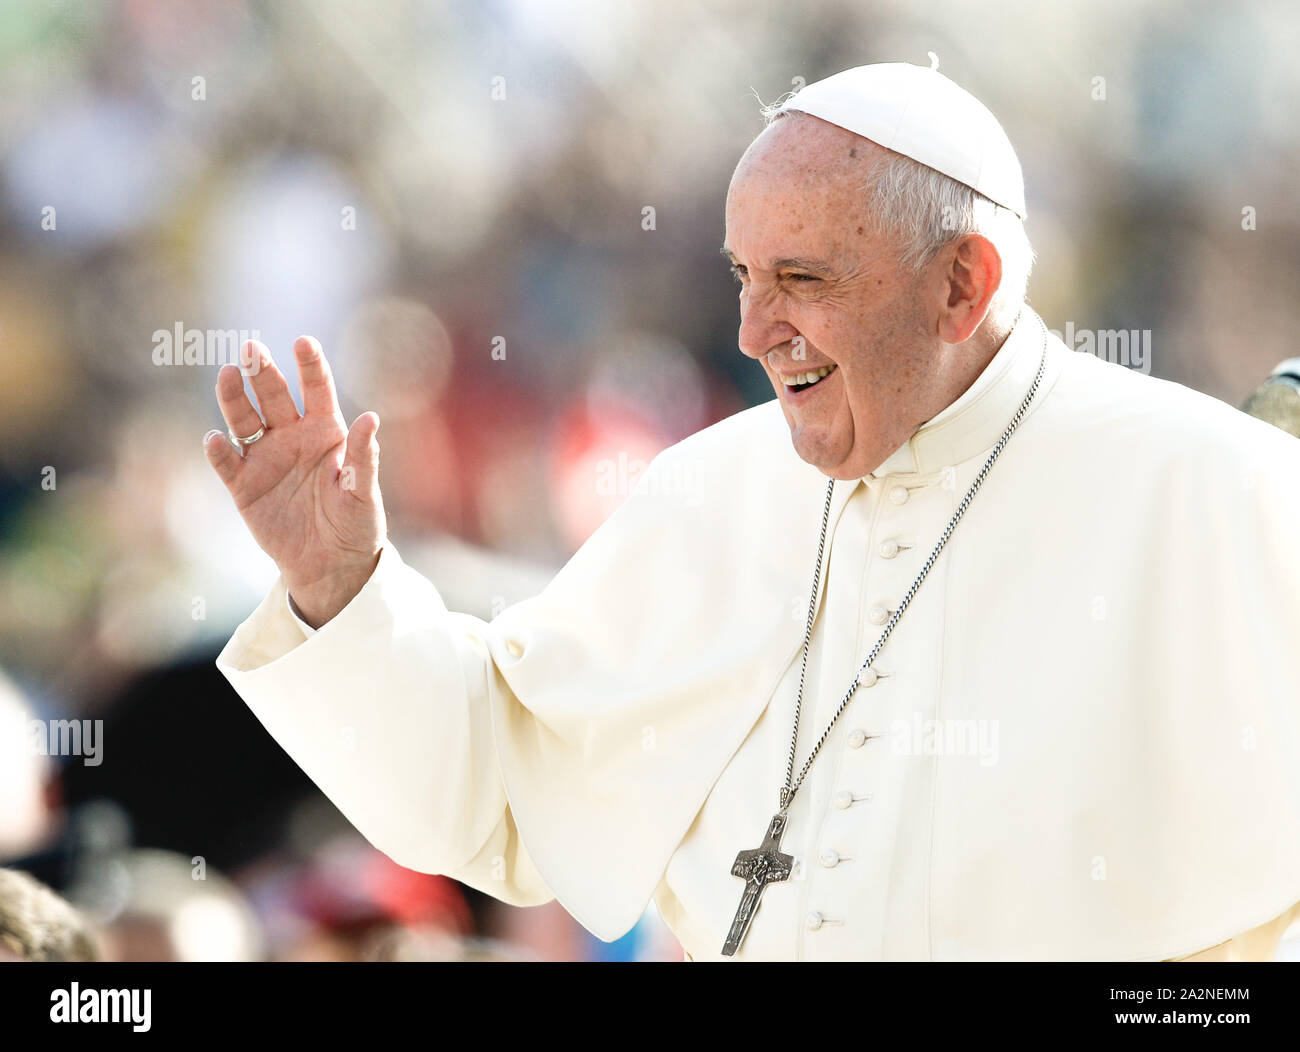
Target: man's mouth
803	381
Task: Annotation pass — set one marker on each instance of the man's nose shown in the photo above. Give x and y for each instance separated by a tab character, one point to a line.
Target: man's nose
762	328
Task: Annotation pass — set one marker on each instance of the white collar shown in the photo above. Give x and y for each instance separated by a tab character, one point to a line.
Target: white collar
975	420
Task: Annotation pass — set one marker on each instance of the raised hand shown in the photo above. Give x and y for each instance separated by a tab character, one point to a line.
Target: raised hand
308	488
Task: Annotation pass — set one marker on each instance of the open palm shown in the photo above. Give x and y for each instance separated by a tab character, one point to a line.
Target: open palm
308	488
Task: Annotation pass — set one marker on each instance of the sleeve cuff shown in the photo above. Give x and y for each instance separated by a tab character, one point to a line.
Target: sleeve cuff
307	630
276	627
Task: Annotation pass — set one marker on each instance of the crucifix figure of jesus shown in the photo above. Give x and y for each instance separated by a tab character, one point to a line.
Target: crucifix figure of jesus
758	867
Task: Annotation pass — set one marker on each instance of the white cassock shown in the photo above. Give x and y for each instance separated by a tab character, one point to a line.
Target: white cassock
1084	741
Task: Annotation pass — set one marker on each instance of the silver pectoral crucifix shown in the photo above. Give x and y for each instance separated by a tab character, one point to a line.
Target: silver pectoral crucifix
758	867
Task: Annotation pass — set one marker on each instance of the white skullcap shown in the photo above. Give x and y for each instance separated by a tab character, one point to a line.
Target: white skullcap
917	111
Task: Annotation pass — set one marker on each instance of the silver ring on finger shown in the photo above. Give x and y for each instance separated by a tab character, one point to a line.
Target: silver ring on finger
242	443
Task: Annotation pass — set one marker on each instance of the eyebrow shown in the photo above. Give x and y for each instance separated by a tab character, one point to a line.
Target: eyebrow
814	266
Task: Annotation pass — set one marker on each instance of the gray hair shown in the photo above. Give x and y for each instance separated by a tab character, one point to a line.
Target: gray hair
922	210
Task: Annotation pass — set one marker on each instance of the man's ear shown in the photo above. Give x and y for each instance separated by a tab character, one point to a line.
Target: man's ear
971	276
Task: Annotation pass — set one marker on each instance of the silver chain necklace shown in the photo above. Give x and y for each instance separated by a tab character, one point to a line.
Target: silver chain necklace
766	864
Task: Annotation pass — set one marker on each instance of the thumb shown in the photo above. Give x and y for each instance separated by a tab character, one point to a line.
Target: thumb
362	454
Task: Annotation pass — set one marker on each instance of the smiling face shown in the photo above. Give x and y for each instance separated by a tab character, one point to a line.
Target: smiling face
820	289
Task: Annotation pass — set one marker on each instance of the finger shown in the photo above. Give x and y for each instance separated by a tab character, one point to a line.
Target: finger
269	384
362	454
315	378
222	456
241	418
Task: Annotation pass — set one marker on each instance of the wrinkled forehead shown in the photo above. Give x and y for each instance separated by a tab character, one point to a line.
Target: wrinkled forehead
806	151
800	188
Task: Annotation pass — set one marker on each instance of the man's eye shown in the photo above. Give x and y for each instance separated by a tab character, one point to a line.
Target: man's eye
739	273
803	277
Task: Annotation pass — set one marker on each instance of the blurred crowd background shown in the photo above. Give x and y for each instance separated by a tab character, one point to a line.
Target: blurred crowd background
502	221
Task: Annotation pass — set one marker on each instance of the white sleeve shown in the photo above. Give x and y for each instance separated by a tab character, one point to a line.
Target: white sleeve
385	709
588	722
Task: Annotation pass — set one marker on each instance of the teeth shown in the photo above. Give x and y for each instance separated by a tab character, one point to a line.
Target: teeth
807	378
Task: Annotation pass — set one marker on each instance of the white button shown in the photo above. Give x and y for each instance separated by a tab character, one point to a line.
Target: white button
813	921
878	615
868	678
515	649
898	495
889	549
830	859
857	739
843	799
